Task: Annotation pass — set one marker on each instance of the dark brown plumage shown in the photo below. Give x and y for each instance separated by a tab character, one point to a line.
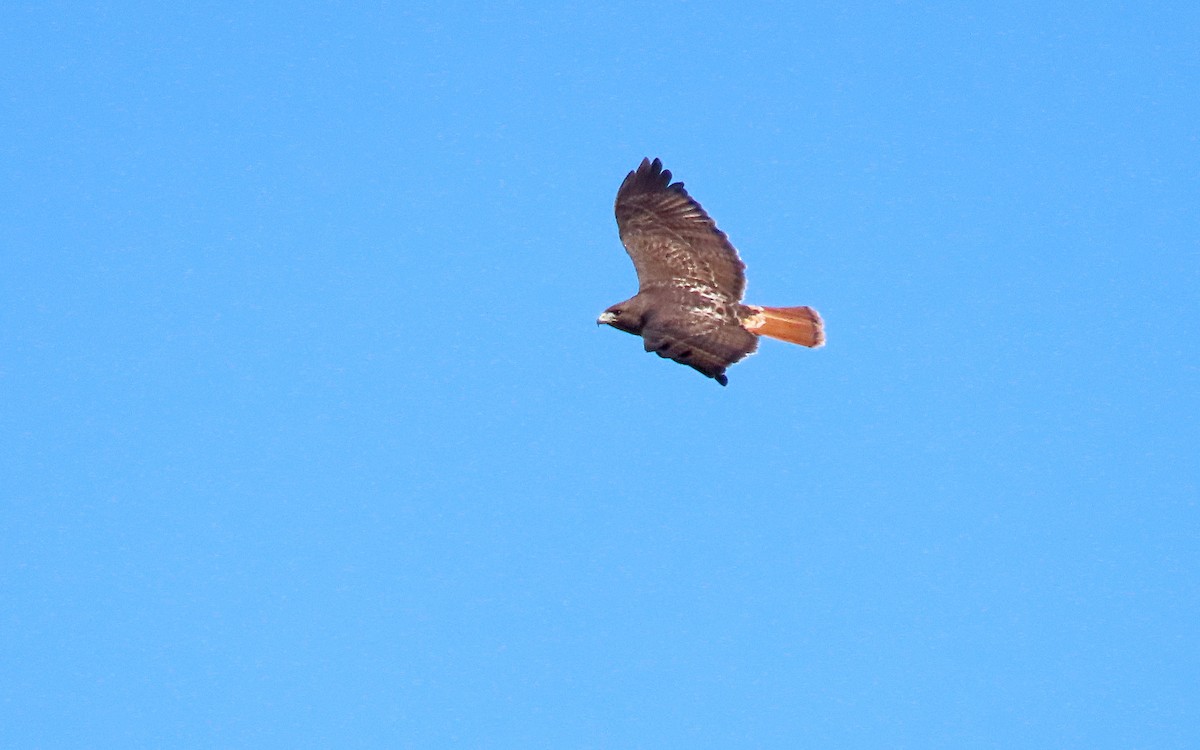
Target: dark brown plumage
690	281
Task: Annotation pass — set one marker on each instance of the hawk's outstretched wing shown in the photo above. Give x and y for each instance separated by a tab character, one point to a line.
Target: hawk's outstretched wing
672	241
708	348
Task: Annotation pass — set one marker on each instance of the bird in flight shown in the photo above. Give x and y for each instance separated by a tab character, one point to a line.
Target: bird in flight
690	282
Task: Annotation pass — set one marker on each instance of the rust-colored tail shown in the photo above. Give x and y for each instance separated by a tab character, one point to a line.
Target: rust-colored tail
797	325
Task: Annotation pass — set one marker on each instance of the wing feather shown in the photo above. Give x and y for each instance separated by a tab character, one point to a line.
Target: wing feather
708	350
672	241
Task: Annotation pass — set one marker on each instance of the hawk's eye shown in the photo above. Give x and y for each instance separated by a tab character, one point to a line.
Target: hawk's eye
616	313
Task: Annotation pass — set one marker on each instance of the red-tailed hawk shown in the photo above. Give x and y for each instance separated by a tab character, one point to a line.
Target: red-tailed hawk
690	282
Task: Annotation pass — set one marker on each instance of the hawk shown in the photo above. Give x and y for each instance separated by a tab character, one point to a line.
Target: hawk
690	282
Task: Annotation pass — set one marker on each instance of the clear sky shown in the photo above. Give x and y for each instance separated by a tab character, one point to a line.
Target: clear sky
308	437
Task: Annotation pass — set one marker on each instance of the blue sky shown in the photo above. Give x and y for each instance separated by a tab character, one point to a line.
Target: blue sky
310	440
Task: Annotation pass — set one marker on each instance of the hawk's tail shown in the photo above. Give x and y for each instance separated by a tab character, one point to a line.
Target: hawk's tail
797	325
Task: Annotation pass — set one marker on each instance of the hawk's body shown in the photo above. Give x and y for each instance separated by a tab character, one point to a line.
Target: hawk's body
690	281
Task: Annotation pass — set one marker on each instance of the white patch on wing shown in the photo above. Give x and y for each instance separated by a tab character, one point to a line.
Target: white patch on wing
705	303
703	291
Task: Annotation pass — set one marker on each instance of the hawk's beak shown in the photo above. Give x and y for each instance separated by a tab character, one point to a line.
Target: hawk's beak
605	318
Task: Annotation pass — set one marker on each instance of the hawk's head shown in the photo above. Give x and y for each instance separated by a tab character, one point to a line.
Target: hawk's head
623	316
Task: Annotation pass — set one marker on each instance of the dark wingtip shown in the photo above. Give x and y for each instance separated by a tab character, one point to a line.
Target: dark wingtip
650	166
649	177
720	378
652	171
